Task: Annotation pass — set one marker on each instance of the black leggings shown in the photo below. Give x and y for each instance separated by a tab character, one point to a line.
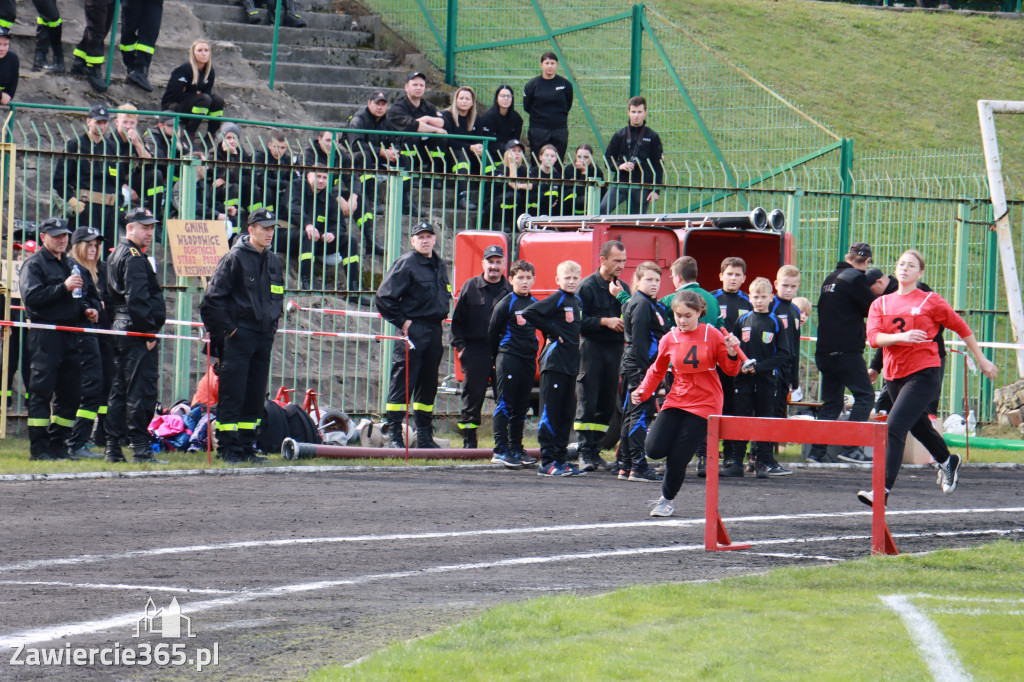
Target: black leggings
911	396
675	436
203	104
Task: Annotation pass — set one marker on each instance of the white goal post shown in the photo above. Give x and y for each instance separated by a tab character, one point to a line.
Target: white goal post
987	108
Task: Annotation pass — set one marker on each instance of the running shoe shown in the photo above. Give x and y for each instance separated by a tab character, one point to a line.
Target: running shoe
948	472
507	458
554	469
647	474
868	497
663	507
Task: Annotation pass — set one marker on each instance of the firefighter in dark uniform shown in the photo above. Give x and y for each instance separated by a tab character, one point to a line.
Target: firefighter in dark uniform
140	26
241	309
87	176
49	288
469	337
371	152
49	35
412	114
137	302
90	53
597	387
415	297
843	304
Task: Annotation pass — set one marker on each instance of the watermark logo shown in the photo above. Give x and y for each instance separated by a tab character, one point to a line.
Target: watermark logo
168	623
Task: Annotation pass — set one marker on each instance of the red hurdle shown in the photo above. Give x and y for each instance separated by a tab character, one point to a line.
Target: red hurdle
716	539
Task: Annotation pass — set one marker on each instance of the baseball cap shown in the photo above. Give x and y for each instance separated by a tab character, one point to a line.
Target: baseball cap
29	246
860	249
54	227
423	227
416	74
165	119
494	250
140	215
99	112
5	32
379	96
513	143
85	234
264	217
873	275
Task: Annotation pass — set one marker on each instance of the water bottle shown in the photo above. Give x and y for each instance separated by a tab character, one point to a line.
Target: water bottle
972	423
77	291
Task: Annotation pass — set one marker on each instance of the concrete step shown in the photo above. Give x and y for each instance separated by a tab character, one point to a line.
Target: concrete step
322	21
322	92
332	114
340	75
303	5
231	31
314	56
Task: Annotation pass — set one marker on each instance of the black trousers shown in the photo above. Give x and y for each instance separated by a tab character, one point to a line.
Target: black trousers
633	196
756	397
911	396
538	137
140	27
201	104
636	420
244	373
840	371
133	391
55	376
99	16
424	361
675	437
49	28
8	13
96	355
597	390
478	366
556	394
884	401
515	377
310	253
18	355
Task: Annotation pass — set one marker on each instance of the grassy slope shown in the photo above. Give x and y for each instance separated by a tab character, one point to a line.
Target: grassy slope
890	80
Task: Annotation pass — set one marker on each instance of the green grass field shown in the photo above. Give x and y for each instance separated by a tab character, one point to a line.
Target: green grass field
795	623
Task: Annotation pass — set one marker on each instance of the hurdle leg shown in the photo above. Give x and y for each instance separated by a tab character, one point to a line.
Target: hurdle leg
716	539
881	538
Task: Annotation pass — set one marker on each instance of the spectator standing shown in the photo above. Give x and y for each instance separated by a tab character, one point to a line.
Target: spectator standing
637	153
843	304
733	304
414	297
470	322
501	122
602	329
464	155
548	100
190	90
10	67
289	13
241	309
86	178
8	13
90	53
48	286
583	168
137	303
15	346
49	36
140	27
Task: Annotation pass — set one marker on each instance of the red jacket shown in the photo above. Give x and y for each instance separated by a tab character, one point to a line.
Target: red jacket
896	313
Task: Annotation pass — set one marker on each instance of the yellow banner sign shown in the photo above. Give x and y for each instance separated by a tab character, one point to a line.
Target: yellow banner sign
196	246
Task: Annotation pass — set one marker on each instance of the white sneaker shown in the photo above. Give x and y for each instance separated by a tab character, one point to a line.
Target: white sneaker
663	507
868	497
948	472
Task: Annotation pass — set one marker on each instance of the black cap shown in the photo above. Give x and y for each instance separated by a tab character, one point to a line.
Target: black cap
164	118
5	32
85	234
416	74
860	249
140	215
494	250
873	275
264	217
379	96
99	112
513	143
54	227
423	227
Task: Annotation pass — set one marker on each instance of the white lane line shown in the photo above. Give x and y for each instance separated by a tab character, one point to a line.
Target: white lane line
35	564
973	612
118	586
50	633
788	555
985	600
937	653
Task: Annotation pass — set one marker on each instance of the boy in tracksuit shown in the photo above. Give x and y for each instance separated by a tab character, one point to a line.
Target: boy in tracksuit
757	386
733	304
644	321
558	318
513	342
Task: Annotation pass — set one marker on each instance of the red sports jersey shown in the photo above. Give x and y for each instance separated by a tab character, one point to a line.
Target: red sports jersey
694	357
896	313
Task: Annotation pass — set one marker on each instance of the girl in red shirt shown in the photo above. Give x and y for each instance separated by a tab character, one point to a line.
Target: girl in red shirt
694	351
903	324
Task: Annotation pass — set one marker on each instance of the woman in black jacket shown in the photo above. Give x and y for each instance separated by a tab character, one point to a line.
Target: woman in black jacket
190	90
463	155
501	121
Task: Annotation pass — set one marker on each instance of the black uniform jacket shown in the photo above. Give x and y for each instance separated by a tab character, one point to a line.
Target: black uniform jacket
47	300
180	84
509	331
135	293
643	147
366	146
473	309
415	288
245	292
842	307
558	318
733	305
598	303
644	319
762	339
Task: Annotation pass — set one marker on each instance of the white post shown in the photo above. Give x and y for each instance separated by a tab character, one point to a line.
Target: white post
986	109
